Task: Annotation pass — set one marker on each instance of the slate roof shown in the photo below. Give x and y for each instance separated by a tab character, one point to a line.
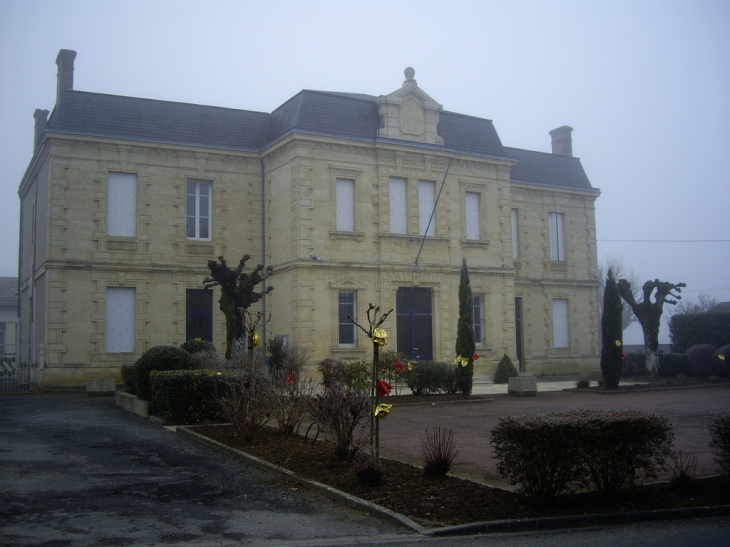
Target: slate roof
347	115
551	169
8	291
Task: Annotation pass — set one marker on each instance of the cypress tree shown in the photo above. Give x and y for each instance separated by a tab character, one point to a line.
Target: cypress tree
612	332
465	333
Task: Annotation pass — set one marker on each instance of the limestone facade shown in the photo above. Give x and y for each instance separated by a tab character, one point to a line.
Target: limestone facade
327	221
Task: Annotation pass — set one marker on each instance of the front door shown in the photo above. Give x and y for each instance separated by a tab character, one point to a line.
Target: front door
413	311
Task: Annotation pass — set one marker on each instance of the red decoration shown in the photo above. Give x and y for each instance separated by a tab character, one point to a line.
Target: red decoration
399	367
383	388
623	356
292	378
474	356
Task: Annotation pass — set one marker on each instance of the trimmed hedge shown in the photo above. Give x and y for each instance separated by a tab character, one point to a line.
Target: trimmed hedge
607	450
704	361
128	378
505	371
674	364
187	396
158	358
198	346
431	377
690	329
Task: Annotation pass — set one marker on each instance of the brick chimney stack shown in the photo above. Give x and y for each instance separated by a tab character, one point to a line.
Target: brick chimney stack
65	77
41	119
562	141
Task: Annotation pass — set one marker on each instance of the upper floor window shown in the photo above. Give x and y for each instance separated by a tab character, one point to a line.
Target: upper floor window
398	216
426	202
346	304
121	203
198	209
561	337
345	205
473	225
515	235
478	319
557	242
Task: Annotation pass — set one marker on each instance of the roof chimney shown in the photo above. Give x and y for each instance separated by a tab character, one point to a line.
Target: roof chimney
562	142
41	119
65	77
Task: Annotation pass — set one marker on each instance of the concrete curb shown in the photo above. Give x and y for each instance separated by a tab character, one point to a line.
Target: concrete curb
485	527
332	493
642	390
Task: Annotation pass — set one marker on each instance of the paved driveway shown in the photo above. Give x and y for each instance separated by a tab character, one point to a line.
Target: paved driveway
77	470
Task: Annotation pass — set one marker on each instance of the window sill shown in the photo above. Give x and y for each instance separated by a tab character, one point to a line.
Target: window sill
477	243
558	265
336	234
412	237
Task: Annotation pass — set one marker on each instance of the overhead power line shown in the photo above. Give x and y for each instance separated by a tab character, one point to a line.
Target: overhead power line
668	240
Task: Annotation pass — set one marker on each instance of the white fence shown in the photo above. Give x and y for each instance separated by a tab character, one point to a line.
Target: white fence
17	376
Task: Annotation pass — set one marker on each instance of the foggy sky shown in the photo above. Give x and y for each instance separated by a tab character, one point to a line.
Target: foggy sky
644	84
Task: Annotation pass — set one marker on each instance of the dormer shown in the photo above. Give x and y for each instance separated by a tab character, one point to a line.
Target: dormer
409	113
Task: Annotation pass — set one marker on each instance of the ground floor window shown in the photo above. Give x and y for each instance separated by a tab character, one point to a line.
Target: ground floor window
199	315
346	303
478	319
120	320
561	338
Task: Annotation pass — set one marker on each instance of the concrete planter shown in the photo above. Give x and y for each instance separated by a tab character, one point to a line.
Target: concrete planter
133	404
522	387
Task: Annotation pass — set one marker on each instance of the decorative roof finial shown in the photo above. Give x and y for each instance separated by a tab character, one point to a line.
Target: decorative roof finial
410	73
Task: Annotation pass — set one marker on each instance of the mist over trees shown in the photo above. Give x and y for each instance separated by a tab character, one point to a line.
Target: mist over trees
703	304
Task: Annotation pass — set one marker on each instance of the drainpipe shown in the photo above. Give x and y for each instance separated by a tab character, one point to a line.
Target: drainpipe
263	243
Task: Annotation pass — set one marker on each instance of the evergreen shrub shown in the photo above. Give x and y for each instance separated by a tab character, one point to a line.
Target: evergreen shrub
704	361
431	377
158	358
612	351
671	365
720	443
187	396
607	450
277	353
505	370
198	346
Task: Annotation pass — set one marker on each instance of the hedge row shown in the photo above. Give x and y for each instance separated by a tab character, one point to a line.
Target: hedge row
187	396
605	450
690	329
431	377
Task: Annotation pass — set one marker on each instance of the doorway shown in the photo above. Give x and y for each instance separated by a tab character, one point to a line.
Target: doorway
413	312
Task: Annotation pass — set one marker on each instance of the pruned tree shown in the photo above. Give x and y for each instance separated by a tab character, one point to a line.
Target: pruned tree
619	272
612	334
649	313
237	295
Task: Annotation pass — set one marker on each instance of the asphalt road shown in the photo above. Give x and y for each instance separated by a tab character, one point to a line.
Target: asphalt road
77	470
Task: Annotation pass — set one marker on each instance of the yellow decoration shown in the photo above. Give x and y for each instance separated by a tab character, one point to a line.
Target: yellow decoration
463	361
410	365
721	357
618	343
379	336
256	339
382	410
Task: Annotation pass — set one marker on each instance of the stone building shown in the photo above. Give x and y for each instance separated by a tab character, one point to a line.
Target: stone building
351	198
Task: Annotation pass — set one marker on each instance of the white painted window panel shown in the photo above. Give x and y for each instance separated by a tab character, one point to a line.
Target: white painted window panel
557	241
120	320
398	217
346	205
561	337
198	209
426	200
121	218
515	235
473	229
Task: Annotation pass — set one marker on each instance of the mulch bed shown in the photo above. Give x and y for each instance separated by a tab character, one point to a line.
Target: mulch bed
446	501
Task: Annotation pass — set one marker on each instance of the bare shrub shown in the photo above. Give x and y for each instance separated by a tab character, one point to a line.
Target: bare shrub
684	471
439	451
247	397
583	382
208	360
341	411
720	435
368	470
293	391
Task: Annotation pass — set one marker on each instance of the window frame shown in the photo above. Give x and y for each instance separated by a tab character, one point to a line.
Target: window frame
339	198
119	206
398	213
426	207
480	328
562	343
197	216
343	322
469	219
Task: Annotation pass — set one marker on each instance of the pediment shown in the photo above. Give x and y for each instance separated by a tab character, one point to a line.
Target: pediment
347	282
409	113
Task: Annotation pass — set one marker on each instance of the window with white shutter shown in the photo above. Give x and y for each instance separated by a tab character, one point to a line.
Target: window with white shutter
557	241
473	228
121	201
120	320
426	200
345	205
398	216
560	323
